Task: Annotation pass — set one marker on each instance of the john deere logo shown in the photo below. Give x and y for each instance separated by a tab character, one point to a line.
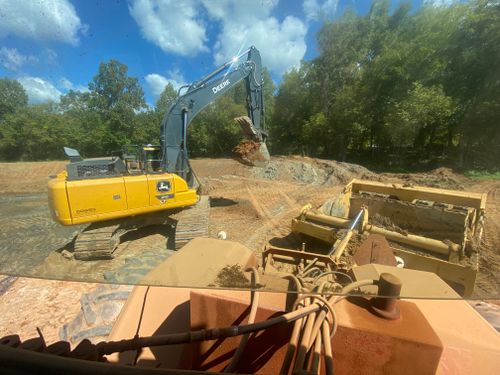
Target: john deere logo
163	186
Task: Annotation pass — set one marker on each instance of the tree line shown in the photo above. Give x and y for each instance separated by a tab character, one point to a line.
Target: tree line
398	89
401	88
111	114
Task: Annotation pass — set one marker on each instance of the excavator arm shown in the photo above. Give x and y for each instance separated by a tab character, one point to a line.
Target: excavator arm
200	94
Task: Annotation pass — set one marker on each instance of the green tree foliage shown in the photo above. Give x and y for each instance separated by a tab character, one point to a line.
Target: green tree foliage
12	96
150	121
35	133
117	98
424	86
166	98
291	110
213	132
112	89
420	119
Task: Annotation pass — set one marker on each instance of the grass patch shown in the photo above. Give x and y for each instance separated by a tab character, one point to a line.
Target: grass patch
482	175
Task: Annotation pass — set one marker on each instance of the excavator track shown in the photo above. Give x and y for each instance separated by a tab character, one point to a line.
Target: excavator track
192	222
97	242
100	240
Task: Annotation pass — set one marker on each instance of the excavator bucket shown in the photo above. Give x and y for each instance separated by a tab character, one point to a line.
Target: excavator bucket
253	153
250	151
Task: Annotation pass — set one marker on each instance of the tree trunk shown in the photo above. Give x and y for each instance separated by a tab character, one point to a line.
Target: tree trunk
461	148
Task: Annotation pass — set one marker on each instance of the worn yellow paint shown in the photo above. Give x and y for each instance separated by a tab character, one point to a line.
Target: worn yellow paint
92	200
410	193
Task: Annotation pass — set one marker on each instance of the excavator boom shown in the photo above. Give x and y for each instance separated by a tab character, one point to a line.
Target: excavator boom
205	91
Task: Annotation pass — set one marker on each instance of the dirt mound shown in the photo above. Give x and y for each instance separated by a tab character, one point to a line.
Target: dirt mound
231	277
443	178
387	223
309	171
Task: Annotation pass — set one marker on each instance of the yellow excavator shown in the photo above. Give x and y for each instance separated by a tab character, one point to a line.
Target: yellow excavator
146	185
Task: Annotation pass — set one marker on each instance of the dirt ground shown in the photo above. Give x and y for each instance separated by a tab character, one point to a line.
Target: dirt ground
253	206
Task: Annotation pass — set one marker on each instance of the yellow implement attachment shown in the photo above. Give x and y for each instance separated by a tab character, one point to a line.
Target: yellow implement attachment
429	229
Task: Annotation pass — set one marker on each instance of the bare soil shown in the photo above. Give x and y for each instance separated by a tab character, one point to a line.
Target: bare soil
29	177
488	279
253	206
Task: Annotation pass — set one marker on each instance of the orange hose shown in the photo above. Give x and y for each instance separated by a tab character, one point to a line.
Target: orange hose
325	331
254	297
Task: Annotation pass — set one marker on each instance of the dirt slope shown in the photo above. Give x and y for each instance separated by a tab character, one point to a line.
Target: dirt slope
489	276
29	177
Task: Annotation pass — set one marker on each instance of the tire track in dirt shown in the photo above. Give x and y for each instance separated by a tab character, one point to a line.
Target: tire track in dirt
262	210
279	227
28	233
488	280
293	198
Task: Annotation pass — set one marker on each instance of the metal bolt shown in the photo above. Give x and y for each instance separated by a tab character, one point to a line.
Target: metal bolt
386	305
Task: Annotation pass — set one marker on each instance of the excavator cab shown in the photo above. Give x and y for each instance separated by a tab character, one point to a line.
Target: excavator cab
152	158
141	159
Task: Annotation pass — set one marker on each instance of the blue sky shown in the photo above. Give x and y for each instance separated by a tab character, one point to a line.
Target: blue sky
51	46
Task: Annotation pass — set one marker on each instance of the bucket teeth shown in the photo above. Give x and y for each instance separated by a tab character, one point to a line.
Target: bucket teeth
247	126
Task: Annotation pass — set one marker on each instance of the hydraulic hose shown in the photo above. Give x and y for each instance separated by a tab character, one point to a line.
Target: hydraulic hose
254	296
357	284
110	347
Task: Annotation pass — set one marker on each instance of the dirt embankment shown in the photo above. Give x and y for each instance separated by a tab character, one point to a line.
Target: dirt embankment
303	170
488	280
443	178
28	177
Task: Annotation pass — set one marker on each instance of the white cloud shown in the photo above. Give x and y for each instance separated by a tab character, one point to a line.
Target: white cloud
67	85
317	9
439	3
173	25
39	90
41	20
11	59
49	56
239	10
157	82
177	27
176	78
246	23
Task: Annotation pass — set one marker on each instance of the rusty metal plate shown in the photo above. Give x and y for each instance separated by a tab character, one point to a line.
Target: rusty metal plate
375	249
